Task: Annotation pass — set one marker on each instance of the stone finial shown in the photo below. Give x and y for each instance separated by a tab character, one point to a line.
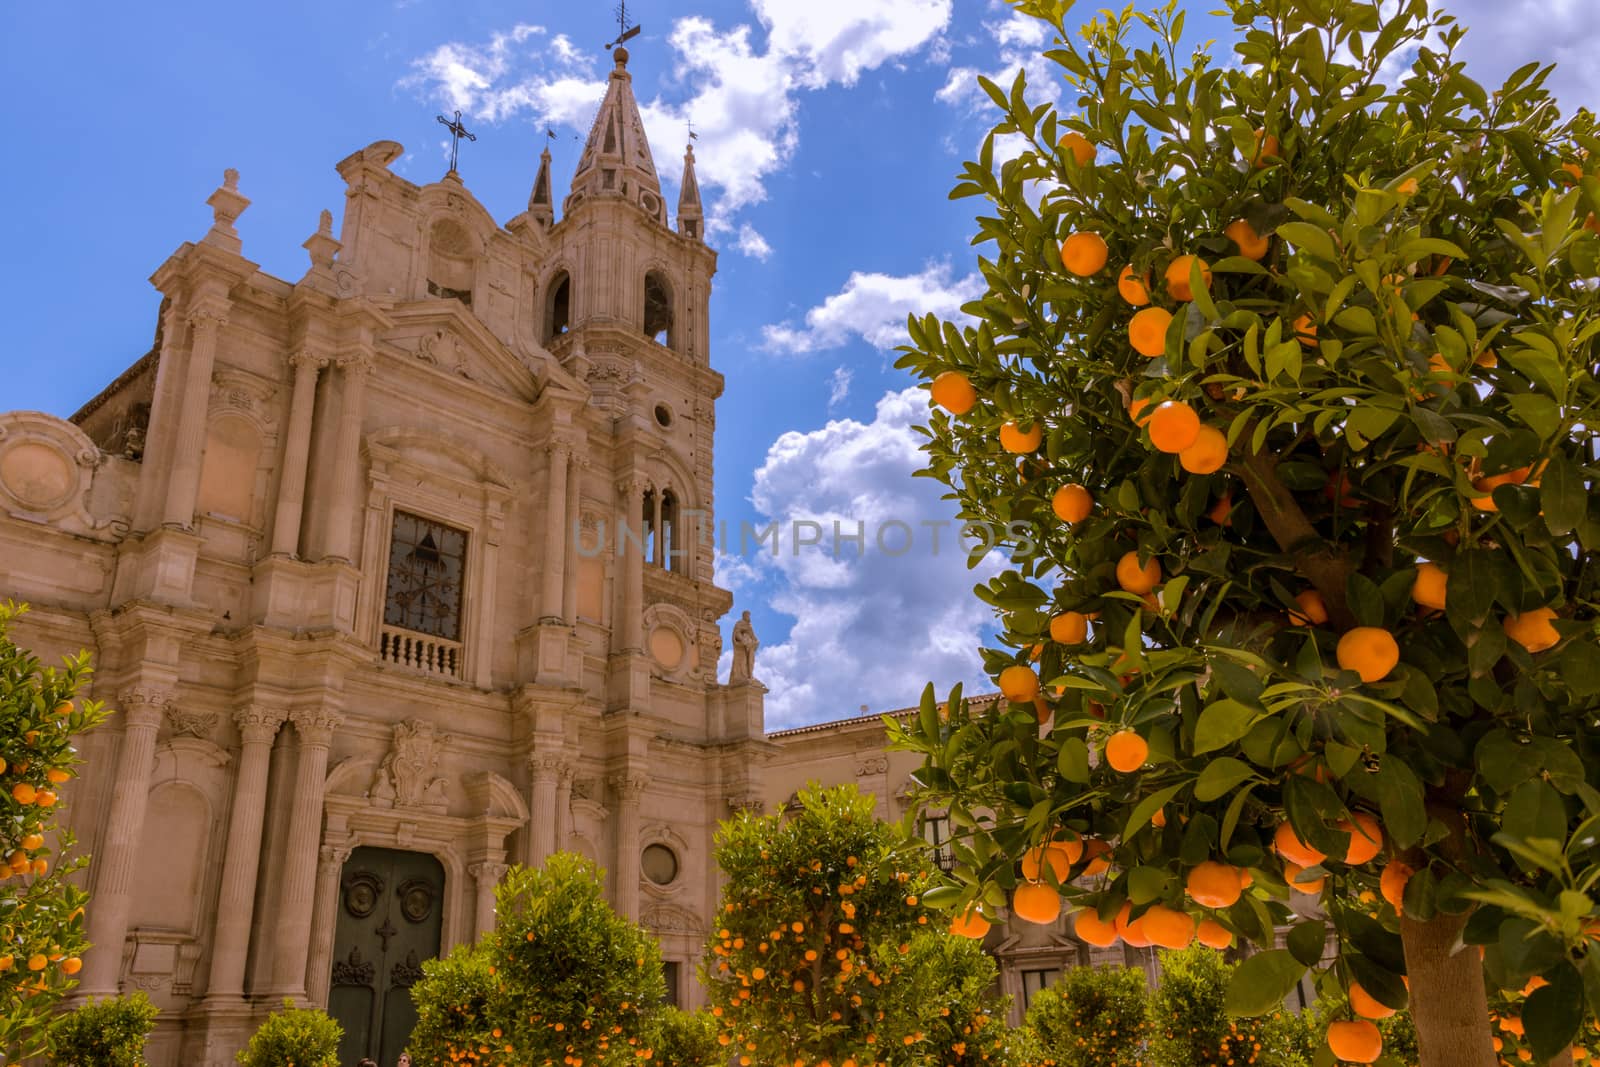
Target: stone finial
691	215
226	206
322	246
540	203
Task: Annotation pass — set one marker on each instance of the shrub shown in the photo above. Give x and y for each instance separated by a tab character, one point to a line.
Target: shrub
294	1037
42	941
684	1039
1093	1017
949	992
455	1005
104	1033
1191	1026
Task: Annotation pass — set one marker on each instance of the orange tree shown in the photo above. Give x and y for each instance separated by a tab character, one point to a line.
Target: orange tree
1288	364
41	913
826	955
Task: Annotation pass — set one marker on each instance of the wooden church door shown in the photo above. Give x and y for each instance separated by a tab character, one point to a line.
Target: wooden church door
390	911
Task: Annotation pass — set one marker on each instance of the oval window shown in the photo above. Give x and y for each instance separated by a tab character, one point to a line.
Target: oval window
660	864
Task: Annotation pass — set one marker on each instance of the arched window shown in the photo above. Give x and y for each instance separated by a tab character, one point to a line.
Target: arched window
658	308
670	533
558	307
450	263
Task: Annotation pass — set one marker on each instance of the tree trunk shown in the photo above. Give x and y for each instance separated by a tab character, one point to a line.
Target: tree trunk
1449	1005
1564	1059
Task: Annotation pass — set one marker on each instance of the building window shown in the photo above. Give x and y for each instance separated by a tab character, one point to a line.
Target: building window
558	315
670	970
657	309
936	831
426	563
1035	980
659	864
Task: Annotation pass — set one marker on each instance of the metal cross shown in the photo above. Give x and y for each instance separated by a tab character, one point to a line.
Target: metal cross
692	135
624	33
457	131
385	932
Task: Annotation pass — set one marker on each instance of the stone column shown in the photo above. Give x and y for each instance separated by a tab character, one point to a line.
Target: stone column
183	484
319	962
629	788
630	627
658	550
297	450
569	585
563	813
556	534
142	710
347	457
545	770
297	886
230	937
486	875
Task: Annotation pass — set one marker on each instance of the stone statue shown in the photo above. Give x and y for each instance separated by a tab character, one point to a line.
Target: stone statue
745	644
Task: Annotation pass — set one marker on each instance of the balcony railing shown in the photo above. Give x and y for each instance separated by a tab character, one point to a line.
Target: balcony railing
419	652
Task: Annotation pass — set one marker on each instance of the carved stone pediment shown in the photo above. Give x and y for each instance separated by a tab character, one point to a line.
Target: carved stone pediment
456	343
407	777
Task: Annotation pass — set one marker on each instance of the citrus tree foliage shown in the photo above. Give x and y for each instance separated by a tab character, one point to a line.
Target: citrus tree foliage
41	913
562	978
685	1039
1093	1017
303	1037
818	958
1288	363
110	1032
1191	1027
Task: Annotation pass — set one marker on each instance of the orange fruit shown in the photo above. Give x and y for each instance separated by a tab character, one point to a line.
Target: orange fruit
1084	254
1574	169
1305	331
1355	1040
1014	438
1370	651
1296	851
1131	930
1428	590
1126	751
1055	855
1069	628
1091	930
1208	452
63	709
1252	245
1036	902
1096	852
1222	510
33	841
1147	331
1267	149
1169	927
1137	579
1178	272
44	798
1072	503
1213	884
970	923
1137	405
1366	838
1159	819
1135	291
1019	684
71	965
1313	609
38	961
56	775
1407	187
953	391
1512	1024
23	793
1392	883
1533	630
1213	934
1173	426
1079	146
1292	875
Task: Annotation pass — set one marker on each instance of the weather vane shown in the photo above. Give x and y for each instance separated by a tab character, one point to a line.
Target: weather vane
457	131
624	32
692	135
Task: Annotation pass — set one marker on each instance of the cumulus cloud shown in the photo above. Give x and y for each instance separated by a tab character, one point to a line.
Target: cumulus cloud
752	244
878	620
874	307
1506	34
522	69
839	386
1020	40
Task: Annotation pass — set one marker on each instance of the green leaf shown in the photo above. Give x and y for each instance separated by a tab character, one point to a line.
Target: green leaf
1073	760
1261	982
1147	808
1222	723
1400	801
1580	668
1307	940
1535	811
1562	495
1311	239
1221	776
1146	884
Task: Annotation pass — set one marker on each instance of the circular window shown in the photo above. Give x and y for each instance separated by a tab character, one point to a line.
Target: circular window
663	415
660	864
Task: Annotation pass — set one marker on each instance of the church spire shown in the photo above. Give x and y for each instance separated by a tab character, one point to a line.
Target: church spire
540	204
691	216
616	161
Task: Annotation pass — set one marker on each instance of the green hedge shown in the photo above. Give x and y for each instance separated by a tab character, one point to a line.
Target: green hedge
294	1037
1092	1017
104	1033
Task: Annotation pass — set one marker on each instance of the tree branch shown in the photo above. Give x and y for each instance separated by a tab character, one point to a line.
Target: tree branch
1324	566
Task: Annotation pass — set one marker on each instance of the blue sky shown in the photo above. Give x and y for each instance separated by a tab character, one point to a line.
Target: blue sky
830	133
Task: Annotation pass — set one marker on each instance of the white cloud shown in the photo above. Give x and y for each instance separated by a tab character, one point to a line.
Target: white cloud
1505	34
1021	40
837	40
874	307
839	386
752	244
872	625
492	82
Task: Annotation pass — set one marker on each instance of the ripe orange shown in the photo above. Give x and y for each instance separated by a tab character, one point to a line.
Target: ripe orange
1169	927
1366	838
1533	630
1084	253
1080	147
1054	855
1252	245
1019	684
1305	331
1407	187
1366	1005
1214	885
1126	751
1296	851
1096	852
56	775
38	962
1072	503
1173	426
1069	628
1178	272
1429	588
1137	405
1370	651
1313	609
953	391
1131	930
1222	510
1091	930
1267	148
1208	452
1015	439
970	923
44	798
1392	883
1135	291
1355	1040
71	965
33	842
1137	579
23	793
1292	875
1147	332
1213	934
1036	902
